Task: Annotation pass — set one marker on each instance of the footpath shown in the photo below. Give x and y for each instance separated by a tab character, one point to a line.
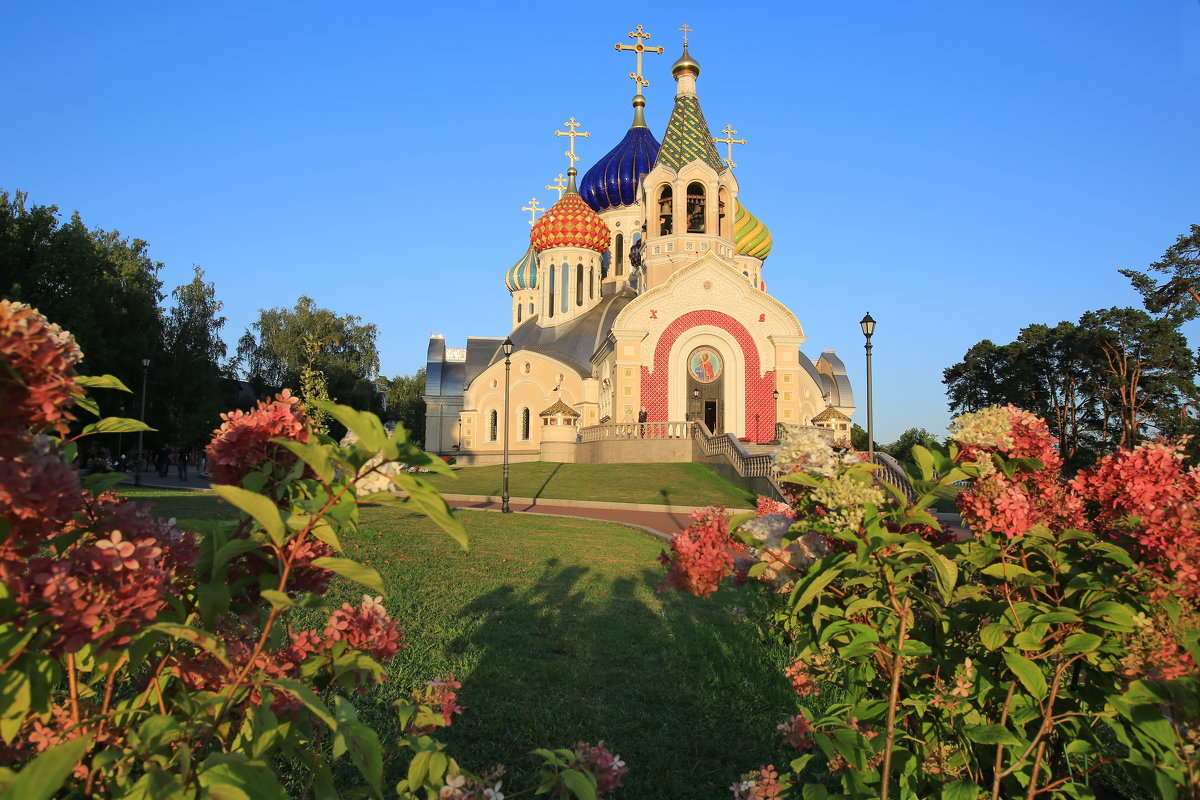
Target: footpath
661	520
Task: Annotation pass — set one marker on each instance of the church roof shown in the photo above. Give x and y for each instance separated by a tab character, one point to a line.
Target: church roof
750	236
688	137
831	414
559	407
571	343
523	274
612	181
570	223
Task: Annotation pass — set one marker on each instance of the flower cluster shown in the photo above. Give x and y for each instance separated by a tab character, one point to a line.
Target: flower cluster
703	553
762	784
843	497
440	695
803	676
604	764
243	442
805	448
39	491
765	506
37	371
797	731
367	628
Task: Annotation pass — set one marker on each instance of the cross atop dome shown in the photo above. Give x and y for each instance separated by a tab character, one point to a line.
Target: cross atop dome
533	208
729	141
686	30
560	185
639	48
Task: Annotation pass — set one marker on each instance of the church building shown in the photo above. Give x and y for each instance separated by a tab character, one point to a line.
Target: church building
641	302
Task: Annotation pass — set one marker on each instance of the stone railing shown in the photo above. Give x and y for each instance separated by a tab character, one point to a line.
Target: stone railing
726	444
636	430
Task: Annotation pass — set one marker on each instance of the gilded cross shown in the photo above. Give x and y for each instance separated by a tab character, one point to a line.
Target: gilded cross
639	48
572	124
533	208
561	187
685	30
729	141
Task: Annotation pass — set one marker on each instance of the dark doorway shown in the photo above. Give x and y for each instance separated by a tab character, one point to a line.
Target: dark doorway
710	415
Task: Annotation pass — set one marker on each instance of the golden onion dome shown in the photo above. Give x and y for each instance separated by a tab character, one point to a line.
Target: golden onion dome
685	63
750	236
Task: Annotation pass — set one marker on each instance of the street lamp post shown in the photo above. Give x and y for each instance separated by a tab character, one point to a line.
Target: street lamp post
120	438
508	348
868	328
775	398
137	472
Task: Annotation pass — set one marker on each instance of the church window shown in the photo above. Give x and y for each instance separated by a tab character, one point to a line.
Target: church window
566	287
664	211
579	284
493	425
551	292
531	308
695	207
525	424
724	228
520	308
620	248
591	283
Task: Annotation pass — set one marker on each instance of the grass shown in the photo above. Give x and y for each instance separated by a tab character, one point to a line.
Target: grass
661	484
556	631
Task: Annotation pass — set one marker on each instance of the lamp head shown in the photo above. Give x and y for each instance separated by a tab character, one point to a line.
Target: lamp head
696	393
775	394
868	325
145	363
507	346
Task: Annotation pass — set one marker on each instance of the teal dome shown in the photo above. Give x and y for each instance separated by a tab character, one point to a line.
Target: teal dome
523	274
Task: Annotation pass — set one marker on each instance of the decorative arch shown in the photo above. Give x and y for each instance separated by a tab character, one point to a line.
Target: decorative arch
665	214
696	207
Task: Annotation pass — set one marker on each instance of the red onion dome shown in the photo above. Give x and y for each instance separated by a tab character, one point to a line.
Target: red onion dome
570	223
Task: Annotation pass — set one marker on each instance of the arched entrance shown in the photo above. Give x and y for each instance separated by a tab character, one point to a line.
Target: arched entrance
705	387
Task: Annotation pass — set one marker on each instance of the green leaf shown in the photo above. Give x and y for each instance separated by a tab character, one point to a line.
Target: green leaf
44	776
994	635
992	734
99	482
370	431
809	588
352	570
101	382
235	780
430	502
1062	615
213	598
202	639
960	790
946	572
278	599
578	784
229	551
924	460
813	791
257	506
365	752
89	405
1081	643
306	696
312	453
115	425
1028	673
1005	571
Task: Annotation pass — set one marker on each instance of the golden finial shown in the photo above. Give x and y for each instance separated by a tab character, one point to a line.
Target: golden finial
533	208
685	30
639	48
561	187
572	124
729	142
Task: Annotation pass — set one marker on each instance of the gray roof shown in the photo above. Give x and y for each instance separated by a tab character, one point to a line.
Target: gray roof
573	343
842	394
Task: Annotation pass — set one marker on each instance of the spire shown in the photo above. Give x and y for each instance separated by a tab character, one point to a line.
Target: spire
639	102
570	154
688	137
686	69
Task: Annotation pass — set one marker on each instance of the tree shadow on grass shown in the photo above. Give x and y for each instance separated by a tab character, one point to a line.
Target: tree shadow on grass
685	690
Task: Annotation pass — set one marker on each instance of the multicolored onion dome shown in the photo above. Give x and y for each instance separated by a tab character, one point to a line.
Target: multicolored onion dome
523	274
570	223
612	181
750	235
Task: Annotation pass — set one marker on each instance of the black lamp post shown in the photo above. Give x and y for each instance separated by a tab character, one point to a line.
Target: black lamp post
508	348
120	439
775	397
137	472
868	328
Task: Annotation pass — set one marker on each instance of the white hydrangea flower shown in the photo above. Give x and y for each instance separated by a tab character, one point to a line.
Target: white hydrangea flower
808	449
989	427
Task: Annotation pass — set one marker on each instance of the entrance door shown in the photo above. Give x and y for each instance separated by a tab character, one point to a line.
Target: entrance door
710	415
705	388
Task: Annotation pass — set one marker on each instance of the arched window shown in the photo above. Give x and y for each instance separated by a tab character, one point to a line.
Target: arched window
620	248
493	425
592	283
550	294
579	284
695	207
531	308
724	214
566	287
664	211
525	424
520	308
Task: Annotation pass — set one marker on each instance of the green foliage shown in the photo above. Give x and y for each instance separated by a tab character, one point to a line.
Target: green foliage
902	447
403	403
1179	294
313	388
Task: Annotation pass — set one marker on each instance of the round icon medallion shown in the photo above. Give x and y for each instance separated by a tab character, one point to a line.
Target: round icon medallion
704	364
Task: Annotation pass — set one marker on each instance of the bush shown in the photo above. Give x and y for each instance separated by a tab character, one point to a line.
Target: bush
1059	639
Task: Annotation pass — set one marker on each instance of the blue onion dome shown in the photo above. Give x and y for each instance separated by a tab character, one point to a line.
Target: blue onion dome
523	274
612	181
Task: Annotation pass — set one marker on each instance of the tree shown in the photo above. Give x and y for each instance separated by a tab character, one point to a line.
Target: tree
189	365
1179	294
403	403
273	356
900	449
100	286
979	380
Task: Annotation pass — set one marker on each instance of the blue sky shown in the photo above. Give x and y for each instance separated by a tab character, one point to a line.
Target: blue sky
958	169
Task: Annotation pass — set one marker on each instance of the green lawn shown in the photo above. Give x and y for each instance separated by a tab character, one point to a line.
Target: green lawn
556	631
664	484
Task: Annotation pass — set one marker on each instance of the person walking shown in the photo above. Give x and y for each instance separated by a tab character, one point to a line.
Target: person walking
183	463
164	461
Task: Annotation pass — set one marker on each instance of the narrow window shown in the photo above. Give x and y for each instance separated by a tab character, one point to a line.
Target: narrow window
592	283
664	211
620	254
493	425
723	217
579	284
566	287
695	207
520	308
550	295
531	308
525	424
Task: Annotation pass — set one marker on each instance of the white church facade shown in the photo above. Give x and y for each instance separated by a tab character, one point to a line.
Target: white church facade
641	301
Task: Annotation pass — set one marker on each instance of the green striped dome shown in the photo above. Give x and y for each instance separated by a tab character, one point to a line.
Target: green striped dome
523	274
750	235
